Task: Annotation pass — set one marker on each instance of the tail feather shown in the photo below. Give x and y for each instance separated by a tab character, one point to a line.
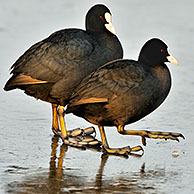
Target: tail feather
17	81
10	84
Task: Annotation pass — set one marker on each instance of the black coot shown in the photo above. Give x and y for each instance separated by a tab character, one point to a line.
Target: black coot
53	67
124	91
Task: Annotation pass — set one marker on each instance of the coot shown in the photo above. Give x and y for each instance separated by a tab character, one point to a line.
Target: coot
123	91
51	69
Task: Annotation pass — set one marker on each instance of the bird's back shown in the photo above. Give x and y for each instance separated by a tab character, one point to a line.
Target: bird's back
132	91
59	62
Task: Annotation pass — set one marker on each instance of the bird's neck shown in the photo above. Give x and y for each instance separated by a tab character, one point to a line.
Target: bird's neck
150	63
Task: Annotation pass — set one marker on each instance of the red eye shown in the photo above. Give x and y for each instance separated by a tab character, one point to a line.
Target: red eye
161	50
101	17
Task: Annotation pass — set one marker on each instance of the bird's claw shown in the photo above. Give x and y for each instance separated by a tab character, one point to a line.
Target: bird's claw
160	135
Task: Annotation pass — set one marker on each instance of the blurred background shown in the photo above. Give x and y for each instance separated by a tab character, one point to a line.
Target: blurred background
27	162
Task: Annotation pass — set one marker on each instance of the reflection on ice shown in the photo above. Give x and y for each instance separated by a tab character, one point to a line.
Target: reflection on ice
60	179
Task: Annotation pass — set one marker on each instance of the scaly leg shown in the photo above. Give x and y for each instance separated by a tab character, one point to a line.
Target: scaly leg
62	122
150	134
82	138
55	124
70	133
116	151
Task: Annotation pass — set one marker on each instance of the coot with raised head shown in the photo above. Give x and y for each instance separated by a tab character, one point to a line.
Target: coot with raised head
51	69
124	91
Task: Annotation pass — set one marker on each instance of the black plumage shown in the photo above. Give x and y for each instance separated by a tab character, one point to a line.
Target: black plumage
124	91
64	58
53	67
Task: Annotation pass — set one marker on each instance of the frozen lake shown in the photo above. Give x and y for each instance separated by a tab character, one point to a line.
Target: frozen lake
28	164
